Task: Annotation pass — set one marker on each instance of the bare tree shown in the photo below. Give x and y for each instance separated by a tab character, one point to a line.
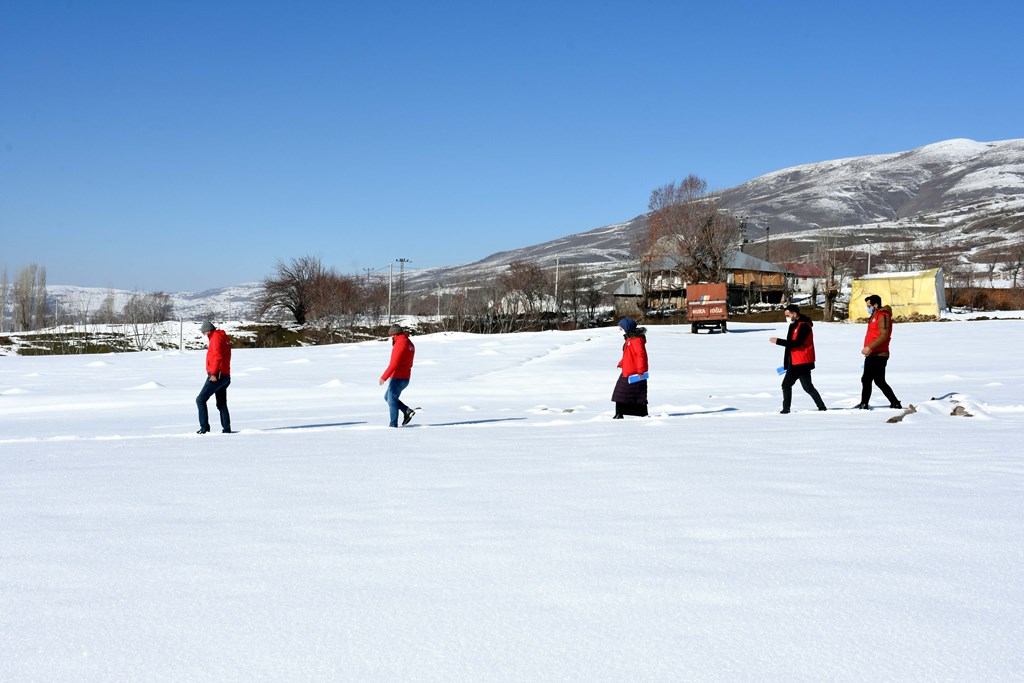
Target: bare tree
1015	262
143	313
29	298
375	299
699	235
483	306
3	299
456	307
292	288
649	247
526	288
42	312
335	300
899	256
106	313
572	291
835	263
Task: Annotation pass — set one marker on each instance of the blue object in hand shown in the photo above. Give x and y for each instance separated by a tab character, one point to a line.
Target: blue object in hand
633	379
781	370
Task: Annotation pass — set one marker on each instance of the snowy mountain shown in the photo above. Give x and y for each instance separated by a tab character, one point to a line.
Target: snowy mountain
962	194
943	178
226	303
959	193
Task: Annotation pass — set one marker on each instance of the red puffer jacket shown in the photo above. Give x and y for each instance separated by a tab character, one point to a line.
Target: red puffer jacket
402	352
634	356
879	332
801	336
218	355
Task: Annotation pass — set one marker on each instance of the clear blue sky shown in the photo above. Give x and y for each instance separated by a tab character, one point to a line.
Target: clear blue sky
190	144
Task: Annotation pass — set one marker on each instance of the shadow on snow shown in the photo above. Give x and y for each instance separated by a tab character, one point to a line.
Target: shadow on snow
471	422
704	412
318	426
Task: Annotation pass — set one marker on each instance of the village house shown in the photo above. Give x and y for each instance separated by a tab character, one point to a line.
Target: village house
750	281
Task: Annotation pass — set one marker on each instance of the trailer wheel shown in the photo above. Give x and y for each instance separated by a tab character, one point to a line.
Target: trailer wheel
723	327
693	328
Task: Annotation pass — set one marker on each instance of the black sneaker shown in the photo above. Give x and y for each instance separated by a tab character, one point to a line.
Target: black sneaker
203	430
897	405
784	411
862	406
408	416
822	408
227	431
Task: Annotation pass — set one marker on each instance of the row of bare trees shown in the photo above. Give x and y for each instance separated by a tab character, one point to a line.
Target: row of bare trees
522	297
305	290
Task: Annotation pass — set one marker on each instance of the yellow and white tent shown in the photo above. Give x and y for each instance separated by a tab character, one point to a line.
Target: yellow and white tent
920	293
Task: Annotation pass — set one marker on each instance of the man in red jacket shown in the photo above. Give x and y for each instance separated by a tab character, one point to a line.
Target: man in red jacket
218	377
876	353
398	371
799	358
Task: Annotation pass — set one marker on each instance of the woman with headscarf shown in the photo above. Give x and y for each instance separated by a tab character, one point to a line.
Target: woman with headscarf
630	395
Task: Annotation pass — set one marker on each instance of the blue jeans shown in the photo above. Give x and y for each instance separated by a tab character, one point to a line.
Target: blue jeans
220	388
395	389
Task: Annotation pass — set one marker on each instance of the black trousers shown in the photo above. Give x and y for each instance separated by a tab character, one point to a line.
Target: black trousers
874	373
803	374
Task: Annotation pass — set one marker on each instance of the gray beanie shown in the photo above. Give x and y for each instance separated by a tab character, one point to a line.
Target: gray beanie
395	329
207	327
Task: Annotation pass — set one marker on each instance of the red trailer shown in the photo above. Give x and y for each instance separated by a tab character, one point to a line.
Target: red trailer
706	306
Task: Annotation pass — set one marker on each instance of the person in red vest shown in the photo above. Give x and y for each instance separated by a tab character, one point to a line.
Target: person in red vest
218	377
876	352
799	357
630	393
398	371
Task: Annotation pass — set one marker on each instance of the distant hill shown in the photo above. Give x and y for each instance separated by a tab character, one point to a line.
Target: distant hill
919	186
959	192
226	303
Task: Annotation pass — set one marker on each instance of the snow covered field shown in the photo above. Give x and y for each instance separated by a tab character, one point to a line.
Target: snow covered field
514	531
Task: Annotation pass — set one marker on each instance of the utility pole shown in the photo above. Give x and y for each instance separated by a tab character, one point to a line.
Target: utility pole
767	242
368	272
558	304
401	284
391	279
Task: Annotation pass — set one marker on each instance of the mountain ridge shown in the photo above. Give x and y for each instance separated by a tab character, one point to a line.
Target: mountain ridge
960	192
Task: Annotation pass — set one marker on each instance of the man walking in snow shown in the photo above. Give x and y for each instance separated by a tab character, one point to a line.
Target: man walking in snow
398	371
876	352
799	357
218	377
